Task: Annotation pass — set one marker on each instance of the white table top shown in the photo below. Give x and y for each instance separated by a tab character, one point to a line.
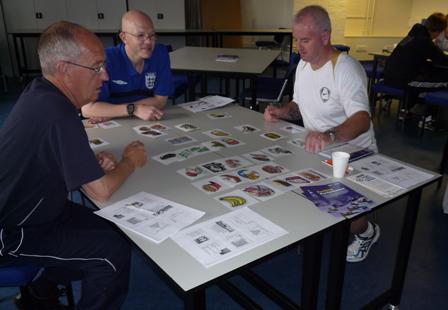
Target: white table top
290	211
251	61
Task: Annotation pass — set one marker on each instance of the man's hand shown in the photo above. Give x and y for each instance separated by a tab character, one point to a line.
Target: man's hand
107	161
97	120
271	113
148	113
135	152
316	141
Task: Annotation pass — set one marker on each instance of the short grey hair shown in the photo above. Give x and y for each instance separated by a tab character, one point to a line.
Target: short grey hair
319	15
58	43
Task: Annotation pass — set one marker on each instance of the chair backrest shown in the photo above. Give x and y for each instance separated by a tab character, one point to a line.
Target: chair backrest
342	47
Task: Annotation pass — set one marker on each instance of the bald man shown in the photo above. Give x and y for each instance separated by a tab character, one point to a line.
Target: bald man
330	95
45	154
140	74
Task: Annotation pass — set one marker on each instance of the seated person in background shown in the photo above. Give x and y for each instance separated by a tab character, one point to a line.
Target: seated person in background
330	94
442	40
44	155
140	74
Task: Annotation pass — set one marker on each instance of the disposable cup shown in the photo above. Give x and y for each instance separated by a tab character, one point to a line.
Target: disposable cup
340	163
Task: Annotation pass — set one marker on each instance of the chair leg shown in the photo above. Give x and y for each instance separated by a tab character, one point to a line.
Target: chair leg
69	294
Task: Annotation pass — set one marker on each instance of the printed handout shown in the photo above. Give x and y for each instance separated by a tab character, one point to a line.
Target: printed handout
226	236
150	216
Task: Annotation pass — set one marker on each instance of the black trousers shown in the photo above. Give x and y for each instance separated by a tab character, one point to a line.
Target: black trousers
79	246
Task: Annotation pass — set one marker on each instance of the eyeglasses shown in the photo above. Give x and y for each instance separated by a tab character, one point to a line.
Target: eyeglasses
142	37
100	68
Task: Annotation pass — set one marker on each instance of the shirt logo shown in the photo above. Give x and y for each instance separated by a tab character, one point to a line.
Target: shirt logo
119	82
150	80
324	94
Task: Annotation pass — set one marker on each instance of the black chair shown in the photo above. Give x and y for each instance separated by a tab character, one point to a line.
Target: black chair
181	82
275	43
272	90
341	47
380	91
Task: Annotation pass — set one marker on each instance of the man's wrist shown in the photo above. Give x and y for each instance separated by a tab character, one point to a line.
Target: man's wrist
332	134
130	108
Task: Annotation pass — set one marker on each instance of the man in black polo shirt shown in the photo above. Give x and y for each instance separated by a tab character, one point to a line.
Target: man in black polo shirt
45	154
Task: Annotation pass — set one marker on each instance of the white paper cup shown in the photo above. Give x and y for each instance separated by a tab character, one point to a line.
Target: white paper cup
340	163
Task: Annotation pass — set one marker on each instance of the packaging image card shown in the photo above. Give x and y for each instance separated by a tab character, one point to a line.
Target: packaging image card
312	175
246	128
87	124
216	133
159	127
231	178
215	167
211	185
271	169
187	127
219	115
214	145
231	142
236	199
292	129
180	140
199	149
235	162
293	179
278	183
249	174
258	157
297	142
97	142
167	158
109	124
276	151
261	191
273	136
146	131
194	173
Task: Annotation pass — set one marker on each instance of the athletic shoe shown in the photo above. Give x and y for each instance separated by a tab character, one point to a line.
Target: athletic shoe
358	250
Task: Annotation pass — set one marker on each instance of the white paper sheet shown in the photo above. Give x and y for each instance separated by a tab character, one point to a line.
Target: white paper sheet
150	216
226	236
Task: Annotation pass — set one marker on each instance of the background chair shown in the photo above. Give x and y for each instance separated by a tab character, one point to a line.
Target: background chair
272	90
21	276
380	91
437	99
280	41
341	47
181	82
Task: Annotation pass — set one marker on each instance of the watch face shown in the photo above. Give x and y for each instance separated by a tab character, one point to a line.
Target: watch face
130	107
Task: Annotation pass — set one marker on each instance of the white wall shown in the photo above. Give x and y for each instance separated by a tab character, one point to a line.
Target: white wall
423	8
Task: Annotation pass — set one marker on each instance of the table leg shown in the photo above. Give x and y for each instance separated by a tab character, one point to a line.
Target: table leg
312	253
253	87
195	300
336	272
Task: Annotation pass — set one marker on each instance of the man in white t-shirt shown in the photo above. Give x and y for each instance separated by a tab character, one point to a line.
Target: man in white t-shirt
330	95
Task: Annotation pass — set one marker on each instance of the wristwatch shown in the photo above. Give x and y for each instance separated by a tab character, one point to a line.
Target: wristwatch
130	108
332	133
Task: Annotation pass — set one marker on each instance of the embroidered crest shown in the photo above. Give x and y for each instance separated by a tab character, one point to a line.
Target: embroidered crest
150	80
324	94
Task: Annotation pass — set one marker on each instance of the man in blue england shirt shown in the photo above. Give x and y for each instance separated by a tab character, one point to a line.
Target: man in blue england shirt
140	75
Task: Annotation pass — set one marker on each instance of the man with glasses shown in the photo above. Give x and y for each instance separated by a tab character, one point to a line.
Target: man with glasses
46	154
140	75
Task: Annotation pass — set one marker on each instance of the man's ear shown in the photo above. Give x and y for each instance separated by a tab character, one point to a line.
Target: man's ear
61	68
325	37
122	36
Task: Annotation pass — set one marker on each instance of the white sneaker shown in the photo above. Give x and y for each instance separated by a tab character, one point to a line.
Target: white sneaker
358	250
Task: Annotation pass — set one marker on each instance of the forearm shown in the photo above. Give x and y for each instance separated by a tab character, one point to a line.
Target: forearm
104	109
354	126
158	102
102	189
